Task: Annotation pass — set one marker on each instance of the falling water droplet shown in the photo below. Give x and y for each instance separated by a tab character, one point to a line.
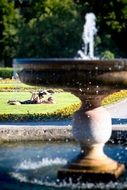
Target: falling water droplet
97	91
80	90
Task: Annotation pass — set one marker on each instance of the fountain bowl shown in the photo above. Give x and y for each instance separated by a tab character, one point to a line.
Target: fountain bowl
72	73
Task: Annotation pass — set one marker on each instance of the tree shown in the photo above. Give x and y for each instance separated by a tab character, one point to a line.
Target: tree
53	31
10	22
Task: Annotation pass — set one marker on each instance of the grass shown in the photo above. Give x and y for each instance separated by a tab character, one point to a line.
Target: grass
15	90
62	99
8	84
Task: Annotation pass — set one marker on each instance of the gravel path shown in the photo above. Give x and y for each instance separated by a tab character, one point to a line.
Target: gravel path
118	110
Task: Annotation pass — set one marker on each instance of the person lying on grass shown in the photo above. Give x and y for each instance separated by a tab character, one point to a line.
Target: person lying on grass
49	101
36	98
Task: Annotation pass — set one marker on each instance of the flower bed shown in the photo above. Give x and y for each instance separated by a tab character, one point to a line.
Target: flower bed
65	113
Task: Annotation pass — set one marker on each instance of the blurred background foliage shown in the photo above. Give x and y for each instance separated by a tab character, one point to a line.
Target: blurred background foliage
53	28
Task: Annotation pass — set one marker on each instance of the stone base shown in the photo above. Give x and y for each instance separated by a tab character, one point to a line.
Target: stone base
89	176
91	171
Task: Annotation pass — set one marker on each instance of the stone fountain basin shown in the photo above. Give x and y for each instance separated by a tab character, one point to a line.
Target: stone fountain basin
73	73
90	80
34	166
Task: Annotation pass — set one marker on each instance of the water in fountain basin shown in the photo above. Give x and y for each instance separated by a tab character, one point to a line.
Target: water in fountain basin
34	166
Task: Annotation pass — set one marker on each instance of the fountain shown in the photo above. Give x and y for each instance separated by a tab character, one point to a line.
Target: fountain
90	80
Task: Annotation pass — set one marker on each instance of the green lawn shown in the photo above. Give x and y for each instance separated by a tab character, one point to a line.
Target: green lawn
14	84
63	99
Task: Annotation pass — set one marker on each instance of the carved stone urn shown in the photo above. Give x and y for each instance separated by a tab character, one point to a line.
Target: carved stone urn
91	81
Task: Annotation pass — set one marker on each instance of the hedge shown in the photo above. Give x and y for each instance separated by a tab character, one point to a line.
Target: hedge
115	97
65	113
6	72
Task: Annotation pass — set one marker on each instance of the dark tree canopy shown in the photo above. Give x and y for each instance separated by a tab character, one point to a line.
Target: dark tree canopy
53	31
53	28
10	21
111	20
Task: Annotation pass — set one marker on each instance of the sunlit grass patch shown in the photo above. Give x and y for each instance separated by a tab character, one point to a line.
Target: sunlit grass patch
62	100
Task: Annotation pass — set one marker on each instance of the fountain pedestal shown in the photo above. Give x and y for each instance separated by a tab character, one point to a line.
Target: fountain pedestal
92	129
